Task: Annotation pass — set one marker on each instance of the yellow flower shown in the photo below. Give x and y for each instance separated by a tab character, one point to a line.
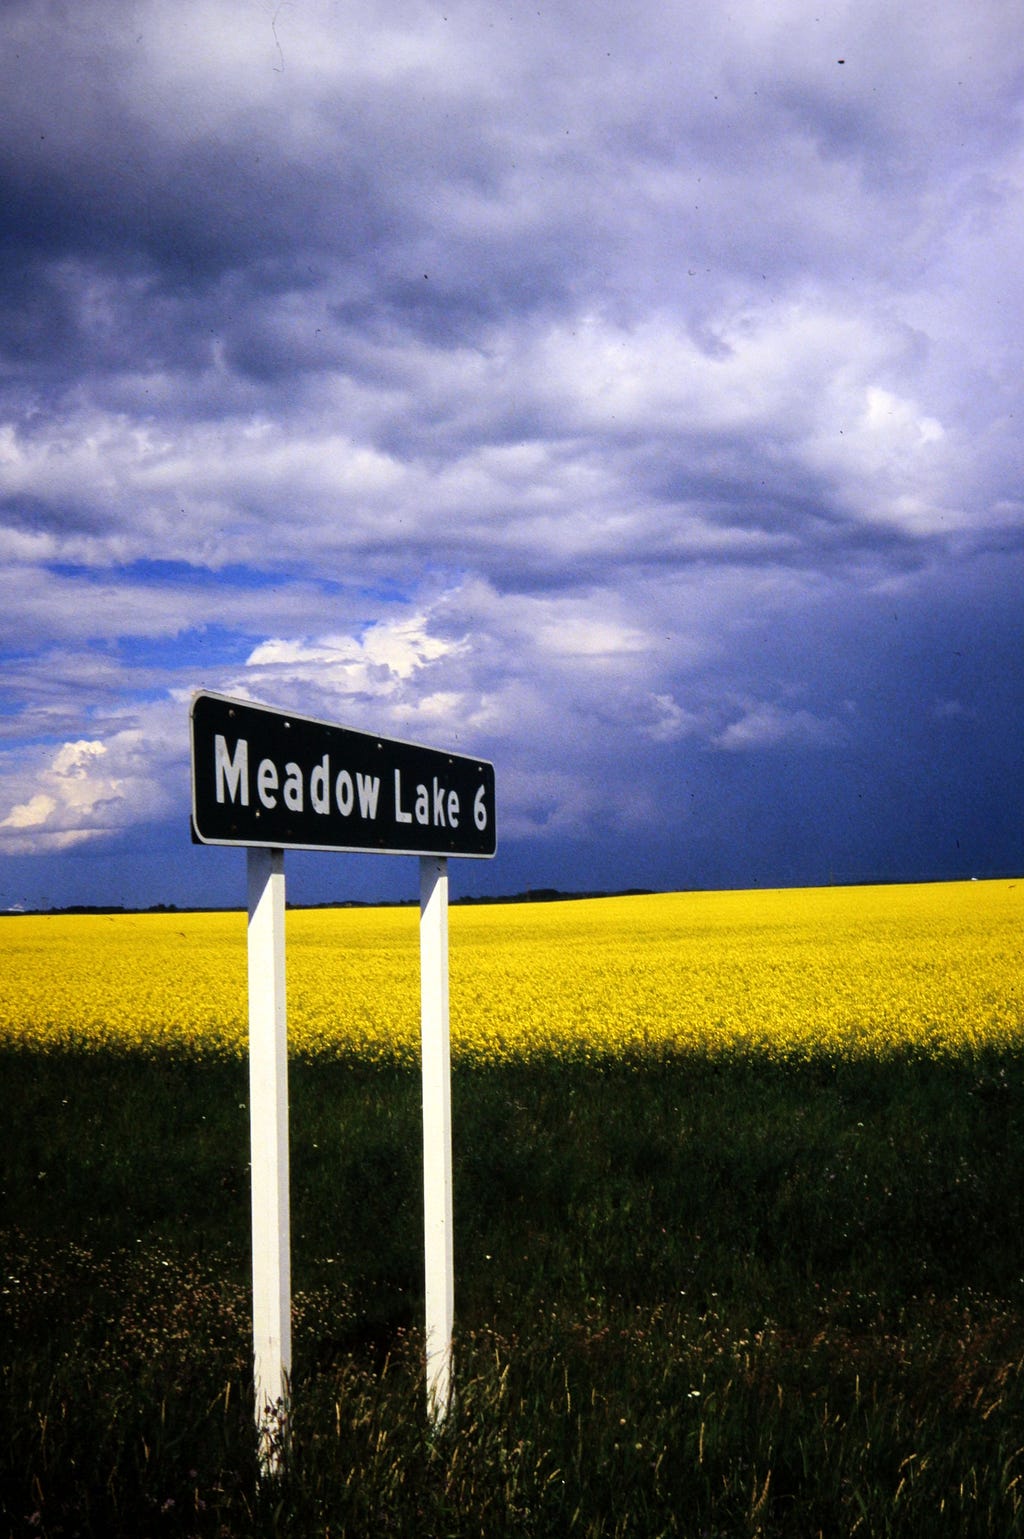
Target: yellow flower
864	971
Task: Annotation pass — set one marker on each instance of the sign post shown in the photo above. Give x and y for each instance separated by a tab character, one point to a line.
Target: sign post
439	1265
268	1136
267	780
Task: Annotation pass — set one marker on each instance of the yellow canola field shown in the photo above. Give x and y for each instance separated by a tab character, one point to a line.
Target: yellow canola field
840	971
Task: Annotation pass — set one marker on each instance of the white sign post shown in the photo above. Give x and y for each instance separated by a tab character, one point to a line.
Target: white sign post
268	780
439	1266
268	1133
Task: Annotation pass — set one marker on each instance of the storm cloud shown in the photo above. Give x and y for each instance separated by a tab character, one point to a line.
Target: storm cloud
629	396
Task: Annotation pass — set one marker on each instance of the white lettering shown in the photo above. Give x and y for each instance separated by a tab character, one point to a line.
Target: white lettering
232	773
433	806
369	790
293	787
320	786
400	816
344	793
267	782
480	809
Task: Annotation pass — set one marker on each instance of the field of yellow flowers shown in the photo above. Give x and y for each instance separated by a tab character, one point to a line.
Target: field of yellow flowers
863	971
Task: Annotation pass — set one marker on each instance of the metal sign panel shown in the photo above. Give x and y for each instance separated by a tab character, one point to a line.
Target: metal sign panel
265	777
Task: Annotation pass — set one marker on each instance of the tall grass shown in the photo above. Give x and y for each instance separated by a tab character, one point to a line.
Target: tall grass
693	1296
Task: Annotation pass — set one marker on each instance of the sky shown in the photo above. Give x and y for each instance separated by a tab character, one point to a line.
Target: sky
629	395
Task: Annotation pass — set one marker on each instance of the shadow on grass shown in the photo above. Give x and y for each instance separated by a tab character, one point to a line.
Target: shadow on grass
694	1297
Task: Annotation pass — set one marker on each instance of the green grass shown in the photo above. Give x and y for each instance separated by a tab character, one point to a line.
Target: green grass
692	1297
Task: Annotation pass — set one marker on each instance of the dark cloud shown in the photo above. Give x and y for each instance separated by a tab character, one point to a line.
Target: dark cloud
631	395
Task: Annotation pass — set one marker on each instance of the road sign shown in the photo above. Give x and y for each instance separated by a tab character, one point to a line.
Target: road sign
267	778
271	780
